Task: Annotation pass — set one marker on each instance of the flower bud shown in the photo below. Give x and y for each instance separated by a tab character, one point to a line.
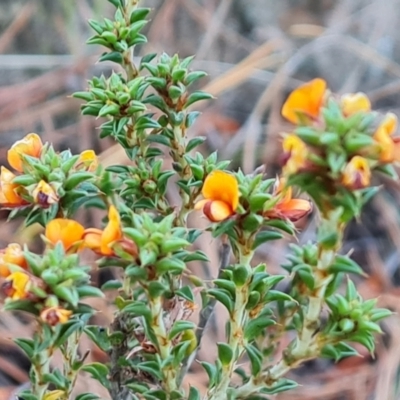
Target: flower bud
12	254
55	315
30	145
294	157
352	103
87	161
44	194
8	194
357	173
17	286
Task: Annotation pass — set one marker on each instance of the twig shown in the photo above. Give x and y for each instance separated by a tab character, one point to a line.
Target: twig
205	314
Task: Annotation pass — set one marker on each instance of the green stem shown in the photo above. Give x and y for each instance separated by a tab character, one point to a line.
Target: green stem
41	367
163	342
306	346
70	355
238	320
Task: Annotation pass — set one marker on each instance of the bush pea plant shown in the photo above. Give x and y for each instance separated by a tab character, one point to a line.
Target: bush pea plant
333	150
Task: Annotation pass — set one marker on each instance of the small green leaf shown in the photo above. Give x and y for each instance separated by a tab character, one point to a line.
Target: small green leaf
223	297
193	143
211	371
276	295
179	327
256	326
266	236
194	394
256	358
99	372
186	293
197	96
99	336
225	353
113	56
27	345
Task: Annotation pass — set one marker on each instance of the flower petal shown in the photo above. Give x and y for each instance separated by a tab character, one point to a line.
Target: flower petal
112	232
307	99
217	211
357	173
30	145
221	186
63	230
355	102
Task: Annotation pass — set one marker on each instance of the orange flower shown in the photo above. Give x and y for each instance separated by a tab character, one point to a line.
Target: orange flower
55	315
295	152
17	286
8	194
287	207
305	101
66	231
357	173
44	194
12	254
387	144
355	102
221	196
30	145
101	241
88	161
92	239
112	232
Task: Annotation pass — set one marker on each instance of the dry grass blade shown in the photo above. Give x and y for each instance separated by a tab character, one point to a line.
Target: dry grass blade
19	23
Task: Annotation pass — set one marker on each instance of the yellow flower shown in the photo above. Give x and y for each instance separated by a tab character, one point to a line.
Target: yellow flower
357	173
44	194
306	101
55	315
112	232
287	207
88	161
101	241
383	136
295	152
355	102
12	254
30	145
8	194
221	196
17	285
66	231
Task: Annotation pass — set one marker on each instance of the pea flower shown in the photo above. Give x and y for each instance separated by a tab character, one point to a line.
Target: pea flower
221	196
66	231
55	315
30	145
357	173
295	152
305	101
101	241
383	136
12	254
287	207
44	194
8	190
87	160
353	103
16	286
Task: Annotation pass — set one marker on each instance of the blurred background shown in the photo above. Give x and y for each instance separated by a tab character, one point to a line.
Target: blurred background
255	52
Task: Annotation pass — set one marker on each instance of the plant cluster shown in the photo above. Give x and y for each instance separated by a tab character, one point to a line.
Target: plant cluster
331	154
